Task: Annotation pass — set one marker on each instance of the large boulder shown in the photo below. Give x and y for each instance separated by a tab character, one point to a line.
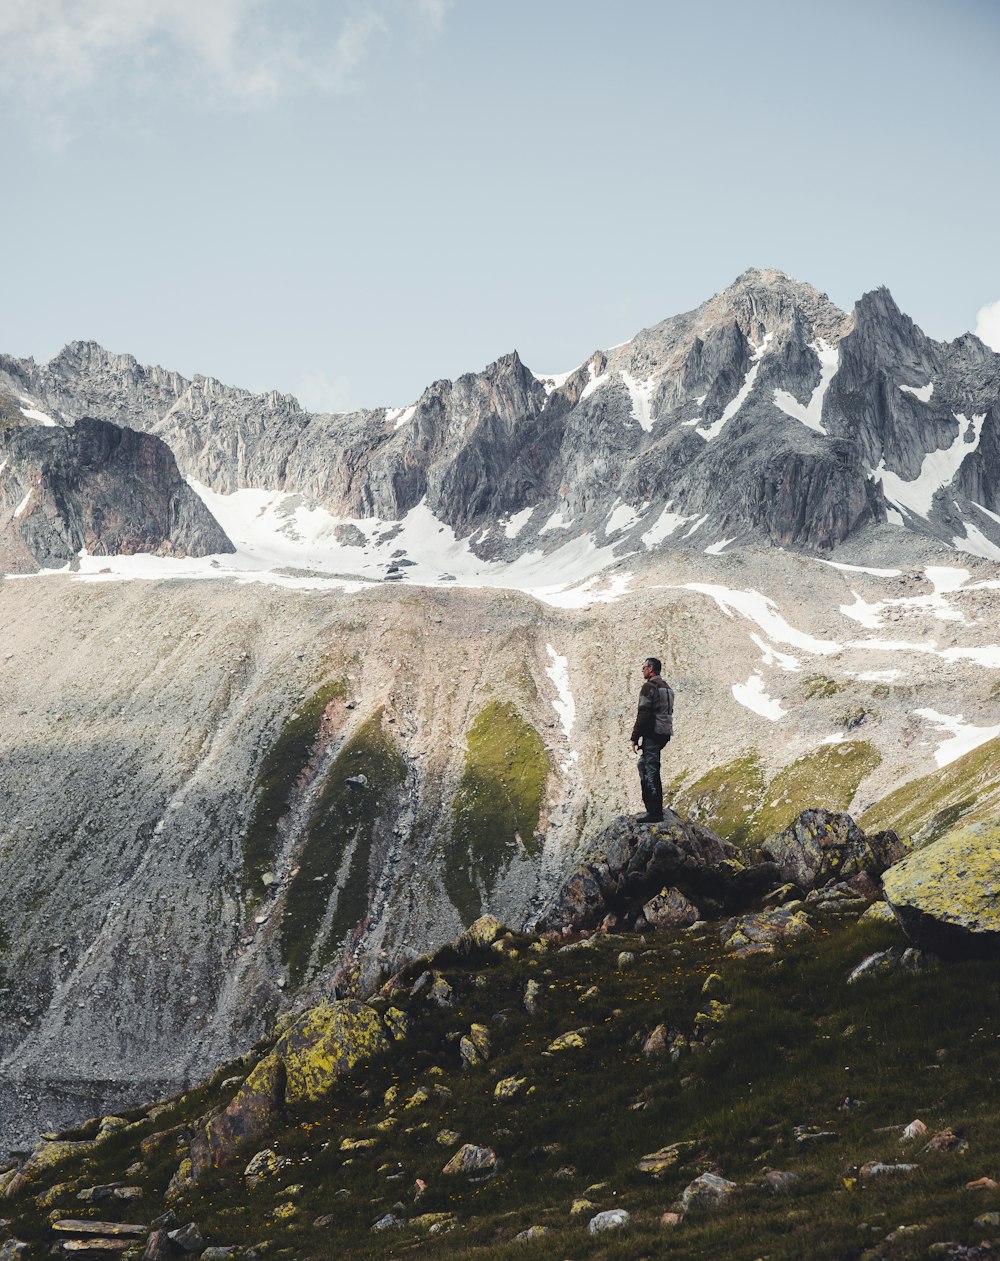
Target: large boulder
823	845
327	1041
630	862
947	895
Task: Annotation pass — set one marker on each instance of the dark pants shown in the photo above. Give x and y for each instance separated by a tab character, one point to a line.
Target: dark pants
649	773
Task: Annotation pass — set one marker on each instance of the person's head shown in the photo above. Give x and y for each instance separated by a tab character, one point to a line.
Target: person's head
651	666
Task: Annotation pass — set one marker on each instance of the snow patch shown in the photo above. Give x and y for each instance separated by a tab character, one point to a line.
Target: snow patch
708	432
716	549
975	543
517	523
594	383
878	676
763	611
621	518
921	392
552	381
861	569
665	525
863	612
640	393
399	416
811	413
937	470
565	706
22	505
752	695
965	737
771	656
43	418
555	522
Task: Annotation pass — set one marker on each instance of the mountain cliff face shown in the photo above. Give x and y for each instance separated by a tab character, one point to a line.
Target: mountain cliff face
767	414
98	488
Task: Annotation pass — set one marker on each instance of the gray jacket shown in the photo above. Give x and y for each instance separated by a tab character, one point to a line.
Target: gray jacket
656	710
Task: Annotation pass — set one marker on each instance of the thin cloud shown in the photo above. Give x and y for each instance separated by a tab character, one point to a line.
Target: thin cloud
434	11
988	325
242	51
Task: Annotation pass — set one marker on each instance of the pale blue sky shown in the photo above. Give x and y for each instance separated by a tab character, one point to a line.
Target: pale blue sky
348	200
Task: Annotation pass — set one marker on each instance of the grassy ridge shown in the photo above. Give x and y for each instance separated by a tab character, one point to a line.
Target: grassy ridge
797	1047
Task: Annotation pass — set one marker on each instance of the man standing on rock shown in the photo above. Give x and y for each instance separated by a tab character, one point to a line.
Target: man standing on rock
654	725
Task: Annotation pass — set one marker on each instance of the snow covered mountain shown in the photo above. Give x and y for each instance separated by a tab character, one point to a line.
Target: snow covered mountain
766	415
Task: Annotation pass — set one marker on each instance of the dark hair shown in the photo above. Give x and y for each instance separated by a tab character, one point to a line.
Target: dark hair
656	663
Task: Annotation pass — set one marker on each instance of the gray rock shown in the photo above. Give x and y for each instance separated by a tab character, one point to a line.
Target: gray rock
708	1190
610	1219
824	845
187	1238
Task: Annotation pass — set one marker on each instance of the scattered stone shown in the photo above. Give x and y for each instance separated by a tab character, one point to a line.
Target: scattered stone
657	1043
440	992
532	993
581	1206
611	1219
188	1238
657	1163
916	1129
265	1164
947	1141
670	909
878	1169
447	1138
483	932
508	1088
886	962
714	986
711	1015
217	1253
113	1230
475	1046
670	1220
14	1250
880	912
357	1144
708	1190
987	1221
626	958
434	1223
389	1222
781	1181
982	1184
565	1173
470	1159
533	1232
759	933
358	782
811	1136
575	1039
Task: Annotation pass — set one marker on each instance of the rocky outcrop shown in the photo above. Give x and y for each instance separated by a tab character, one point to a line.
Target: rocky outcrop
326	1042
824	845
630	862
947	895
98	488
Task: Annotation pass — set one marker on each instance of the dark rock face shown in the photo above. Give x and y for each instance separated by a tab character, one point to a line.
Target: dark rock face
629	863
766	414
100	488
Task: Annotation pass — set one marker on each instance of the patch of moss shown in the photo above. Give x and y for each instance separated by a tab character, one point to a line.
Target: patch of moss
925	808
726	798
279	771
339	834
820	687
496	809
828	776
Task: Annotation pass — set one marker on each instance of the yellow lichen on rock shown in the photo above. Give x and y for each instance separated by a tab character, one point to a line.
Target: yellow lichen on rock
571	1041
950	887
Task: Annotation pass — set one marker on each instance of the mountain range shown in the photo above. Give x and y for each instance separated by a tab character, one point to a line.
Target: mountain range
287	698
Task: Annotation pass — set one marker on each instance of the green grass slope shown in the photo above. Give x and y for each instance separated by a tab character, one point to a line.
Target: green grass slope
796	1052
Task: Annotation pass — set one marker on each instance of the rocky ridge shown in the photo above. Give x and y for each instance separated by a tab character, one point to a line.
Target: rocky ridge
766	414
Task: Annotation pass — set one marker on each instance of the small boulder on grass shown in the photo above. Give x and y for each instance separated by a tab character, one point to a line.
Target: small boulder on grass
611	1219
470	1159
709	1190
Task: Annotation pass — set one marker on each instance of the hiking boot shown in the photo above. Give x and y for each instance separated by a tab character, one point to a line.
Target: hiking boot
649	818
